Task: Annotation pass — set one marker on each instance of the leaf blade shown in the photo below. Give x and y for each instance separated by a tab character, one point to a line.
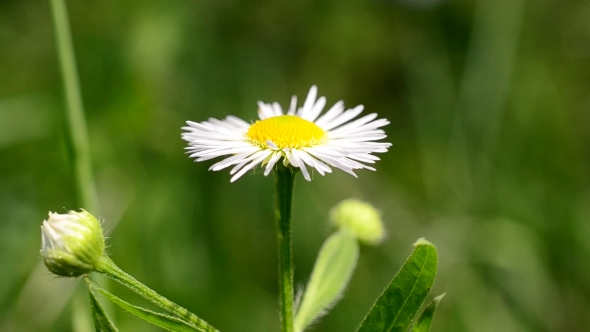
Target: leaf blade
165	321
425	321
331	273
395	309
102	322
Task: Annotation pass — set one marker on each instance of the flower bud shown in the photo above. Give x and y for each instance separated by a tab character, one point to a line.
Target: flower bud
360	219
72	243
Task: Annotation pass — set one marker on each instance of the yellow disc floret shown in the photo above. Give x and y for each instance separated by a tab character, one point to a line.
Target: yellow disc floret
285	131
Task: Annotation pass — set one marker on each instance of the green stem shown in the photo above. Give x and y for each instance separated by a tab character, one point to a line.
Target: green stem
110	270
76	122
284	190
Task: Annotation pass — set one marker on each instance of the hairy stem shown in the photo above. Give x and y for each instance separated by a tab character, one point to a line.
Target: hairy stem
285	177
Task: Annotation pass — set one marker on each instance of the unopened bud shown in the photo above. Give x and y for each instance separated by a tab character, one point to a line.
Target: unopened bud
72	243
360	219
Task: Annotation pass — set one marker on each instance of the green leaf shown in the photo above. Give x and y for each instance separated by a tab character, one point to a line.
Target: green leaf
425	321
401	300
102	322
333	268
162	320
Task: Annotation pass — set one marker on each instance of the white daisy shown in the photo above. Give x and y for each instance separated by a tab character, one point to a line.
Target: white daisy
301	137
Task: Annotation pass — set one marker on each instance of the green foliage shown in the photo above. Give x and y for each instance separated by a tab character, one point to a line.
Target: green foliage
395	309
425	321
162	320
331	273
102	322
488	103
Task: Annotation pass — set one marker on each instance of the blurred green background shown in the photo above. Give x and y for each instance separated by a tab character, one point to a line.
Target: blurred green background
489	103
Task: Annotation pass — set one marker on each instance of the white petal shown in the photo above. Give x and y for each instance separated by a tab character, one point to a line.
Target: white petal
364	138
366	127
206	155
264	111
237	121
333	112
325	150
271	144
257	155
231	161
316	110
289	158
238	167
271	163
344	117
357	123
277	109
293	106
250	165
364	157
309	102
338	163
299	163
311	161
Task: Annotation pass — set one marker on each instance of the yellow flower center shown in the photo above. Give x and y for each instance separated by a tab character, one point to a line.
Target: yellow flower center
285	131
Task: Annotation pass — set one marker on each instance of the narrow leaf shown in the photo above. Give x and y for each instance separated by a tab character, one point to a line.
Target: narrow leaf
162	320
400	301
109	269
425	321
102	322
333	268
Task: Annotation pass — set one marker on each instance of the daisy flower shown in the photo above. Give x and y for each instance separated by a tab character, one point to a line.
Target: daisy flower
300	138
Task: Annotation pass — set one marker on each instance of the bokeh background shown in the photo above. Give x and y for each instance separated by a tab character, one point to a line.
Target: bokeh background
489	103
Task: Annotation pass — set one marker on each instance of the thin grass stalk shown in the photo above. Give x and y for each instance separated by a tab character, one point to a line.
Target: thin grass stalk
74	111
77	137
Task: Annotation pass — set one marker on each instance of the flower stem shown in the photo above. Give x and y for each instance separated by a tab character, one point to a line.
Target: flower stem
285	177
76	122
109	269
